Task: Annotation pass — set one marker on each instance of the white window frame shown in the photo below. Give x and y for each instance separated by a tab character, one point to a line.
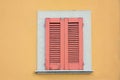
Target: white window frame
86	15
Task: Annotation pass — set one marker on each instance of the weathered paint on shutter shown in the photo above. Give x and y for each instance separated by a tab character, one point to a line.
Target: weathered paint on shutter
73	43
54	44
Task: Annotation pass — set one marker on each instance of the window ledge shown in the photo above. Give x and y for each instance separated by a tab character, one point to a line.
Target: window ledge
63	71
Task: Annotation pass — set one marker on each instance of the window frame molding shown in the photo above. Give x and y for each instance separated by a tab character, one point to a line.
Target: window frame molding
87	57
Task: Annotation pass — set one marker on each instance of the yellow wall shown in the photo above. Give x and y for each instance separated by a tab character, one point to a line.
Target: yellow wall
18	26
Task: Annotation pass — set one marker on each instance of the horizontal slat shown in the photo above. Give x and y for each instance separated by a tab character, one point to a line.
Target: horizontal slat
54	22
73	22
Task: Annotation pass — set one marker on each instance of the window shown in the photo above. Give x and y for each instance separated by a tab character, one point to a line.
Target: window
64	43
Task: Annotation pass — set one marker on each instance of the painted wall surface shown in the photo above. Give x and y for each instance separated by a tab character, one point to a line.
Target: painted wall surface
18	26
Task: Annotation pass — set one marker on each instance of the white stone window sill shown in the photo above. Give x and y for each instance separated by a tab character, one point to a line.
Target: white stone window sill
63	71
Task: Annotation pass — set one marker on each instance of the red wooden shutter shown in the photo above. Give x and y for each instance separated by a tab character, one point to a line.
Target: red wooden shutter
54	44
73	43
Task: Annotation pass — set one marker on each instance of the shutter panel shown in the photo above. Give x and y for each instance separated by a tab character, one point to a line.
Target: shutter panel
54	44
73	43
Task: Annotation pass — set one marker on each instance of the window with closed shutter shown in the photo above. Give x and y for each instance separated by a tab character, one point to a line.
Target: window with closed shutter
64	44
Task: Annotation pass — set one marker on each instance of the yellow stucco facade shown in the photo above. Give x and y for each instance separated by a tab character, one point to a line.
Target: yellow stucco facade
18	30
